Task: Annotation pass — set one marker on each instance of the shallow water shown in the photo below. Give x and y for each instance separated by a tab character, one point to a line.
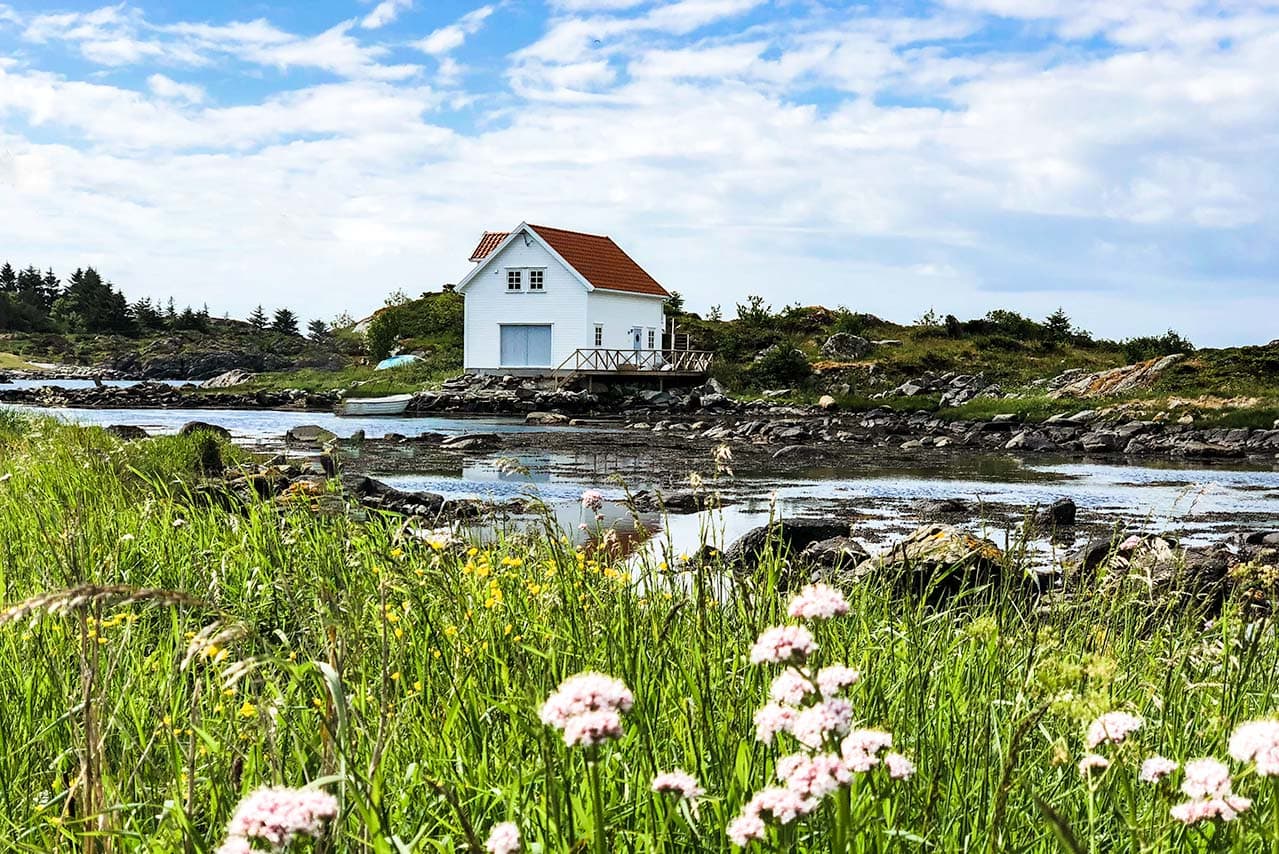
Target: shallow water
261	425
74	384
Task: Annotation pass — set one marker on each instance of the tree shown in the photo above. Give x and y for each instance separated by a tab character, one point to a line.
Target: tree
285	322
146	315
1057	326
716	314
753	311
396	297
317	330
8	279
50	289
675	303
383	334
170	314
258	319
343	321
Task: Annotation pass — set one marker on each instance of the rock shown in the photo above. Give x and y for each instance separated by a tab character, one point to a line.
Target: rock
473	442
937	561
943	507
228	379
128	432
679	502
792	535
887	342
1151	570
193	427
545	419
1205	450
845	345
834	552
827	403
1004	418
1030	440
1116	381
310	434
1059	514
381	496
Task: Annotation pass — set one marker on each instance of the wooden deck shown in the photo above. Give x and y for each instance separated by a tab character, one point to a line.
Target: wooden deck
601	362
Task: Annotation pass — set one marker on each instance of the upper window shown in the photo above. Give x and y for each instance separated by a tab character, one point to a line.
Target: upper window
599	335
513	279
535	280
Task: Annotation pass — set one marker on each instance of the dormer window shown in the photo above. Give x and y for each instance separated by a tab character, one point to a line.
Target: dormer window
514	279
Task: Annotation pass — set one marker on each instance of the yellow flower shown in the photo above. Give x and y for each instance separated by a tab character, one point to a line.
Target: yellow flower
395	677
450	631
397	553
247	710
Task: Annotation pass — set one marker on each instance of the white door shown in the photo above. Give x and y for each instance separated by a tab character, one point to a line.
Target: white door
526	346
637	338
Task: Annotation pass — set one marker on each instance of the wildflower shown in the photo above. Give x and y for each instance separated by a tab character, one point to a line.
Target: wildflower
831	680
1112	728
1156	768
1092	762
247	710
814	725
818	602
1257	742
234	845
813	777
278	815
593	500
783	644
587	708
791	687
860	748
1207	784
778	805
771	720
1206	778
592	728
745	829
899	767
504	838
678	783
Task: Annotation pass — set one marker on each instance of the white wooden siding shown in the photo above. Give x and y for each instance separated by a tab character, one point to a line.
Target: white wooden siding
618	313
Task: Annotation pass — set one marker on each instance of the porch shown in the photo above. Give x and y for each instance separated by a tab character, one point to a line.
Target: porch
637	364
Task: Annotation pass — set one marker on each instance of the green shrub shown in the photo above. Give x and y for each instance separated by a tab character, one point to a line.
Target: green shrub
780	365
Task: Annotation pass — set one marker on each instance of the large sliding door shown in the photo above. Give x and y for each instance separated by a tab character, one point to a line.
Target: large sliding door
526	346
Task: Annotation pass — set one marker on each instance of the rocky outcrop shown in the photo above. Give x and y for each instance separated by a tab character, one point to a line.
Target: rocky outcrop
229	379
792	536
1115	381
955	389
844	345
937	561
149	395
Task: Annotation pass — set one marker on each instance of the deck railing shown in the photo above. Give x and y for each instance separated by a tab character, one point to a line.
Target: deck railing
599	360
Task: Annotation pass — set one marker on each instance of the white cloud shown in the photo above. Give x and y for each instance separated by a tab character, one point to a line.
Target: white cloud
384	13
167	87
451	37
887	162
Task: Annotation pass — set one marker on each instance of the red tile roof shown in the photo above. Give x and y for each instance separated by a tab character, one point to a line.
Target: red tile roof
597	258
488	243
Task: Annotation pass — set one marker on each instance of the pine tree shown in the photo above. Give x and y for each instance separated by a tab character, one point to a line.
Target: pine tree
30	286
8	279
258	319
318	330
171	314
1058	325
50	290
285	322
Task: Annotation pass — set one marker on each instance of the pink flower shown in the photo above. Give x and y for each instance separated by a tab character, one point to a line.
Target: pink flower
1205	809
815	725
861	747
593	500
585	692
591	728
771	720
783	645
813	777
678	783
818	602
1206	778
504	838
1257	742
778	805
831	680
278	815
1112	728
899	767
1092	762
745	829
1156	768
791	687
235	845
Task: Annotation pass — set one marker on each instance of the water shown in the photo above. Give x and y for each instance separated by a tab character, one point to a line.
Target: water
74	384
1197	503
256	426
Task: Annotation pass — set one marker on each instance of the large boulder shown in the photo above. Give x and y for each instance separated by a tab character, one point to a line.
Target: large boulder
127	432
791	535
545	419
310	434
937	561
1060	514
472	442
1151	569
228	379
845	345
382	496
192	427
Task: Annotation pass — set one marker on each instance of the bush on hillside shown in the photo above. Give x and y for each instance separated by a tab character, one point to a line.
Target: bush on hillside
779	365
1154	346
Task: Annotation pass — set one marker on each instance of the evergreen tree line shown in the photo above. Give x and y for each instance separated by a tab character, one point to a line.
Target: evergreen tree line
32	301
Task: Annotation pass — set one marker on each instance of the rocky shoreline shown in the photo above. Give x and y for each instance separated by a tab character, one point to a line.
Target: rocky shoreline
708	413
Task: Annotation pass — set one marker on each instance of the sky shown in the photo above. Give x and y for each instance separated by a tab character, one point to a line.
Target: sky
1117	158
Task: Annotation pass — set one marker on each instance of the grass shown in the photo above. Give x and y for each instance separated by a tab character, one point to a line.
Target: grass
10	362
358	381
298	643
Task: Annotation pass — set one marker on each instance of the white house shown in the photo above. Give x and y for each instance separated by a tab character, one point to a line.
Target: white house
540	298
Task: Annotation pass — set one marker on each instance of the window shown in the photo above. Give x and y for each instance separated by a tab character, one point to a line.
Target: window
513	280
652	339
599	335
535	280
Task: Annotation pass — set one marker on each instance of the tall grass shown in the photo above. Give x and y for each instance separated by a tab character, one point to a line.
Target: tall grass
198	654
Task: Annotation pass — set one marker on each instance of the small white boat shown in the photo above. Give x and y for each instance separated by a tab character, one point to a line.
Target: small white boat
393	405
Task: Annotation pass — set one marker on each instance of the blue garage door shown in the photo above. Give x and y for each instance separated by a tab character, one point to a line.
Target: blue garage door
526	346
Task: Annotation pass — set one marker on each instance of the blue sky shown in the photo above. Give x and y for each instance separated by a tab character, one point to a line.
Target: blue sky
1119	159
